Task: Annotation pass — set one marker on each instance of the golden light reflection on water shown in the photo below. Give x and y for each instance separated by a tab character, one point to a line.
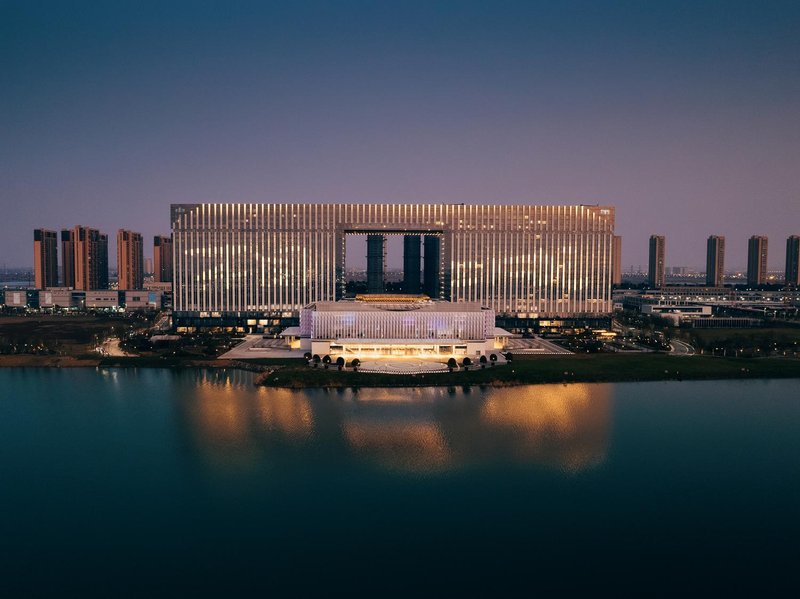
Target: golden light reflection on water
229	418
220	421
237	425
402	395
418	446
562	425
287	412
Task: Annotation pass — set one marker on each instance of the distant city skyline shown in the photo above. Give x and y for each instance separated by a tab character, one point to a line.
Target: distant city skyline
682	115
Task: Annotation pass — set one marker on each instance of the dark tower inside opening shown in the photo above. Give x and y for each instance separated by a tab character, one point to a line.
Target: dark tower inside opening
432	275
376	263
412	253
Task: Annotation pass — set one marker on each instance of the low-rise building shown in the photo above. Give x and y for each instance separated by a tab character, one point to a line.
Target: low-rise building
678	314
99	299
142	300
397	326
61	297
20	298
66	298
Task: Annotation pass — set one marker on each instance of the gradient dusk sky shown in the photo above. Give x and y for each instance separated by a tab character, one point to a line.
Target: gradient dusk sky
683	115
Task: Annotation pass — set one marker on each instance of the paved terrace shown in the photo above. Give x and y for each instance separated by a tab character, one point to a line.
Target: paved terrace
534	345
255	346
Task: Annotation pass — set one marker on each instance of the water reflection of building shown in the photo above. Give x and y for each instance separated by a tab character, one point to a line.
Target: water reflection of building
233	423
421	430
566	425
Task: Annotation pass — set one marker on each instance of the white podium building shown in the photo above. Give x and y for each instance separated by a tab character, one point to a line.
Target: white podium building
374	326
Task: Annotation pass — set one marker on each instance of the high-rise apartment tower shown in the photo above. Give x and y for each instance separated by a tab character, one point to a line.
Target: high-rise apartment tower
102	261
376	263
616	261
793	261
715	261
757	261
655	272
412	269
162	259
89	249
45	258
68	258
130	260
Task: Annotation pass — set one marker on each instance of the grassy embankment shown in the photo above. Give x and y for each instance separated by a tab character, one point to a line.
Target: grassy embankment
744	342
58	341
548	369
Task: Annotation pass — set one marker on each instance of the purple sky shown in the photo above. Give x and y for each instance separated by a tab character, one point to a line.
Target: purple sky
684	115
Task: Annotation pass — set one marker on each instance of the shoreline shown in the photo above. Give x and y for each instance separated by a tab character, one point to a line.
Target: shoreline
31	361
597	368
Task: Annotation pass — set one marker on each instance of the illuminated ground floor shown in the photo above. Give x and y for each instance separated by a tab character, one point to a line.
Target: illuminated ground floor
405	348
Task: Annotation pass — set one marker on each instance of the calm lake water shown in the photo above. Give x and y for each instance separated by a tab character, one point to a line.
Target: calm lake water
157	482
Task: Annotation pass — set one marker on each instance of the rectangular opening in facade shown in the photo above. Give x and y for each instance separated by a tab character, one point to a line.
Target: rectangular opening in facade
390	262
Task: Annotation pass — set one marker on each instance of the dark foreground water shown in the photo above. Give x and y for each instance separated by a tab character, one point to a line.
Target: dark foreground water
154	482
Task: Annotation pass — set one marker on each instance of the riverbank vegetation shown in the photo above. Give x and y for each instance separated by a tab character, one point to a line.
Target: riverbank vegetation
72	341
81	336
74	336
750	343
524	370
548	369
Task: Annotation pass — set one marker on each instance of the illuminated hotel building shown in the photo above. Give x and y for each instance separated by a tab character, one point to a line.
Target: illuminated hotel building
259	261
